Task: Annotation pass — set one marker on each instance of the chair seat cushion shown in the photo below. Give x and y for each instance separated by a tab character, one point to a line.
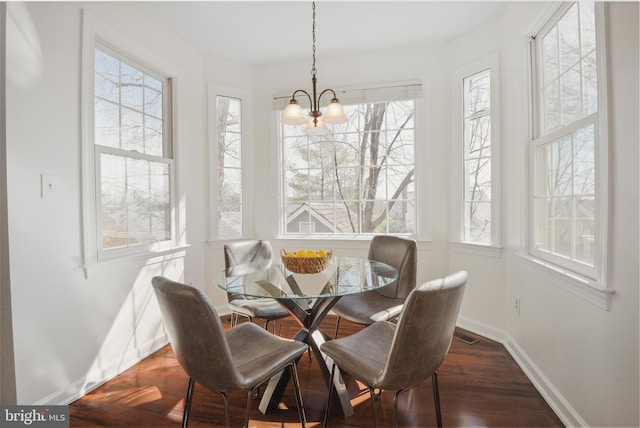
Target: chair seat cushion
267	309
258	354
363	354
368	308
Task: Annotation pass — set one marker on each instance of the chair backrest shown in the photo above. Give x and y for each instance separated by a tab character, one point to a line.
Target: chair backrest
196	335
401	253
241	257
424	331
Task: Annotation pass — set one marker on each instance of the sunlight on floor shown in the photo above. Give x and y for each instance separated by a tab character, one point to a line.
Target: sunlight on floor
132	397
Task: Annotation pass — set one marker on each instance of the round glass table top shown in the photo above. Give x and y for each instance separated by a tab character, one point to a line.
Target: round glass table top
341	277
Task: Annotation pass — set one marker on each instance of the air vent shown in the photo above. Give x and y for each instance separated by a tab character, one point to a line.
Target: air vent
466	339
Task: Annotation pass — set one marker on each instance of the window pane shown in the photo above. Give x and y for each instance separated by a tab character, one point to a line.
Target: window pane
107	124
347	179
585	230
133	121
584	162
568	67
135	201
131	130
152	101
564	213
477	184
134	193
230	206
229	152
564	172
477	222
587	26
478	180
153	136
114	206
478	131
550	56
478	93
569	40
571	95
590	85
131	87
560	172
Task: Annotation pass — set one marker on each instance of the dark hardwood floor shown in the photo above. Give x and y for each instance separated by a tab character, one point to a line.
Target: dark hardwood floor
480	386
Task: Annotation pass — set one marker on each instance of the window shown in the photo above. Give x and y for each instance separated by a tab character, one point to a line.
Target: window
477	223
568	149
229	167
476	207
133	154
360	178
230	199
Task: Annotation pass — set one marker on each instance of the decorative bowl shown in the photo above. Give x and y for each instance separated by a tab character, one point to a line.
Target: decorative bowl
306	263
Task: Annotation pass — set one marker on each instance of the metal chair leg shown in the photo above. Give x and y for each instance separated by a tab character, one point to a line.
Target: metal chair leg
246	412
372	393
436	398
226	410
187	402
335	333
395	406
226	407
296	387
325	423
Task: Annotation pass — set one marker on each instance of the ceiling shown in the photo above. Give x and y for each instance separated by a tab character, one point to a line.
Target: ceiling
259	32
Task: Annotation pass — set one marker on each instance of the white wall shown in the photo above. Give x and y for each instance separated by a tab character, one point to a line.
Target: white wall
70	331
588	354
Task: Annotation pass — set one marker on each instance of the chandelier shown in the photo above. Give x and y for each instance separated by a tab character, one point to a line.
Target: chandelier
316	122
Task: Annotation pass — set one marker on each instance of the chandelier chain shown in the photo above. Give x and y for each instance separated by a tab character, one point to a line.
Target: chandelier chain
313	36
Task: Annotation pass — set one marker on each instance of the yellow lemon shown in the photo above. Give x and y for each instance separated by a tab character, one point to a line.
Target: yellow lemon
290	254
322	253
301	253
311	253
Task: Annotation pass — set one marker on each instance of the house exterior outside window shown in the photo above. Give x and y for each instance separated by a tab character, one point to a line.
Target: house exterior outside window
568	151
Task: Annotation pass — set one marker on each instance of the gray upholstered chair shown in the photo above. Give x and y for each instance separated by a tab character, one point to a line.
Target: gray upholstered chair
241	257
401	356
223	361
386	303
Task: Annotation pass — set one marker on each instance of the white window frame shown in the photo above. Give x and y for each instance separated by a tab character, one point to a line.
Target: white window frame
97	34
588	282
491	63
413	90
213	91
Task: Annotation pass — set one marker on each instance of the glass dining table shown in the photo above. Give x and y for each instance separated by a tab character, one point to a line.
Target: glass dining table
308	298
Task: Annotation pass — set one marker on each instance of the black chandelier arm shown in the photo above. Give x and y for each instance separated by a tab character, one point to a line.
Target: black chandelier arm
324	92
293	97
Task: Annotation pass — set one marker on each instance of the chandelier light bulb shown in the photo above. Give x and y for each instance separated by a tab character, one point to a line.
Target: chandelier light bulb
293	114
316	127
335	113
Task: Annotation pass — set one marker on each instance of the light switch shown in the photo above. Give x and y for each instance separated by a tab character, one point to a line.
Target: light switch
49	186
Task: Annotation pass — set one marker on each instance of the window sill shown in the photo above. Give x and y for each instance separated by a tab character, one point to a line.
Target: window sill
145	257
477	250
592	291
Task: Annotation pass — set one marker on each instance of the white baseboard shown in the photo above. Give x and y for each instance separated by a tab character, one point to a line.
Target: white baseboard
83	386
547	390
